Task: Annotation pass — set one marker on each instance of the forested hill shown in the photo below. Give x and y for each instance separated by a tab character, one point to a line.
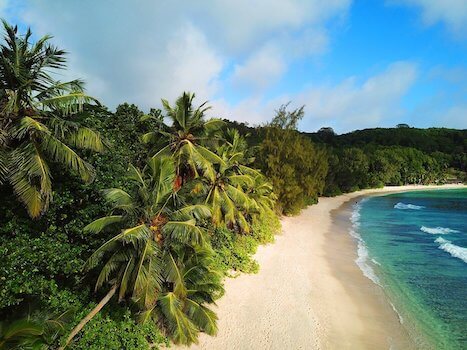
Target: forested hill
382	156
427	140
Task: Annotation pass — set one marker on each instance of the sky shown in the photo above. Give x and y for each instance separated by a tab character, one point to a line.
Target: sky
353	64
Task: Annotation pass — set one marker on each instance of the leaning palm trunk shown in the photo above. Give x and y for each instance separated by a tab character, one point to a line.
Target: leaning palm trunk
89	316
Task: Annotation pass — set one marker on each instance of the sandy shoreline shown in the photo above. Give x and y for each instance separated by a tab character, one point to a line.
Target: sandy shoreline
309	293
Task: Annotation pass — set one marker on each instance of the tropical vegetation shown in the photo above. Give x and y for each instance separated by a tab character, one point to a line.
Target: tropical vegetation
118	227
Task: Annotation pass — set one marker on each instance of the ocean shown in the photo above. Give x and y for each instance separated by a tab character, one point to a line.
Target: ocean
414	245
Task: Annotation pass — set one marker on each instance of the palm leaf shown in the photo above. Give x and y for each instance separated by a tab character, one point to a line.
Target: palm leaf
28	164
68	103
86	138
196	211
175	276
148	276
63	154
118	198
186	232
181	328
202	317
213	125
98	225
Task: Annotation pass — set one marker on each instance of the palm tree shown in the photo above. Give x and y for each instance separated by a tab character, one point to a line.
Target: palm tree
143	260
186	137
234	143
224	191
261	194
18	333
190	282
32	332
38	119
235	191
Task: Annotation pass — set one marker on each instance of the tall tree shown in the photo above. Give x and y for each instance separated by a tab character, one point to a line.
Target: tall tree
295	166
158	235
39	119
185	137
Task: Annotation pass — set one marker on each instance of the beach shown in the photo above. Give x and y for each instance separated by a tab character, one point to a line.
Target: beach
309	292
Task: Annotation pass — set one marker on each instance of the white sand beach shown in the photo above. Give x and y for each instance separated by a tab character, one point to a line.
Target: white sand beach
309	293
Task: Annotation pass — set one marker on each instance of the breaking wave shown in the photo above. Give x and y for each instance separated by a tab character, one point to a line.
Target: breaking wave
363	259
403	206
454	250
438	230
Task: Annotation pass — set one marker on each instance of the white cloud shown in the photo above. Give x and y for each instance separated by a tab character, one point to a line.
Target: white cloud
364	104
242	24
349	104
452	12
261	69
140	52
186	63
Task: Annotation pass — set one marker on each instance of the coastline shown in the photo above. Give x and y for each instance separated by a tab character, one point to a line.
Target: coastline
309	292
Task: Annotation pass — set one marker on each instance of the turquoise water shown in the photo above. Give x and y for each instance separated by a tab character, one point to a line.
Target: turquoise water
414	245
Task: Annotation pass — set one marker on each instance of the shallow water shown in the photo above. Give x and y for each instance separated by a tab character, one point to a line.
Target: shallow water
414	245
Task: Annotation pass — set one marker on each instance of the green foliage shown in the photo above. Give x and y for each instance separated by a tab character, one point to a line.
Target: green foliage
235	252
118	330
295	166
186	138
163	232
40	120
355	168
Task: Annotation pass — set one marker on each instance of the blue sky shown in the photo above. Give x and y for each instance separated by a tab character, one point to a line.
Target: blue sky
353	64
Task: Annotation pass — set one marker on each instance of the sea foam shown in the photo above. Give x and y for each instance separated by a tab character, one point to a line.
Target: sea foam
363	259
403	206
438	230
454	250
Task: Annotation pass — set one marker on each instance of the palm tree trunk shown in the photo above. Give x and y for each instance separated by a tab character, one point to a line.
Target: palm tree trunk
89	316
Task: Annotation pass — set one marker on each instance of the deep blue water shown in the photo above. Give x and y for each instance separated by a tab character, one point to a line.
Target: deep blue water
414	245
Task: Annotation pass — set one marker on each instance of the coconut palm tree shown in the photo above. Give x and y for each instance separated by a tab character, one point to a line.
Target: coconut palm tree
39	119
186	137
234	143
224	191
18	333
260	193
36	332
190	282
155	230
235	191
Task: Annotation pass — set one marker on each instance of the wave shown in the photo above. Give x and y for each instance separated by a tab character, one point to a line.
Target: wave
403	206
438	230
401	319
363	259
454	250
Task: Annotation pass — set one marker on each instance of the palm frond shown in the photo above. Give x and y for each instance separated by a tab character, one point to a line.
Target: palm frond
213	125
162	170
98	225
202	317
181	328
126	279
148	276
186	232
196	211
86	138
68	103
30	177
27	125
119	199
63	154
175	276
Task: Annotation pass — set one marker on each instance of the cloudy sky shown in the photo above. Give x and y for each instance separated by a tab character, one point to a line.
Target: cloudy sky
353	64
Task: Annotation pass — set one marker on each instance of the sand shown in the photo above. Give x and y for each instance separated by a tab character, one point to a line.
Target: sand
309	293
